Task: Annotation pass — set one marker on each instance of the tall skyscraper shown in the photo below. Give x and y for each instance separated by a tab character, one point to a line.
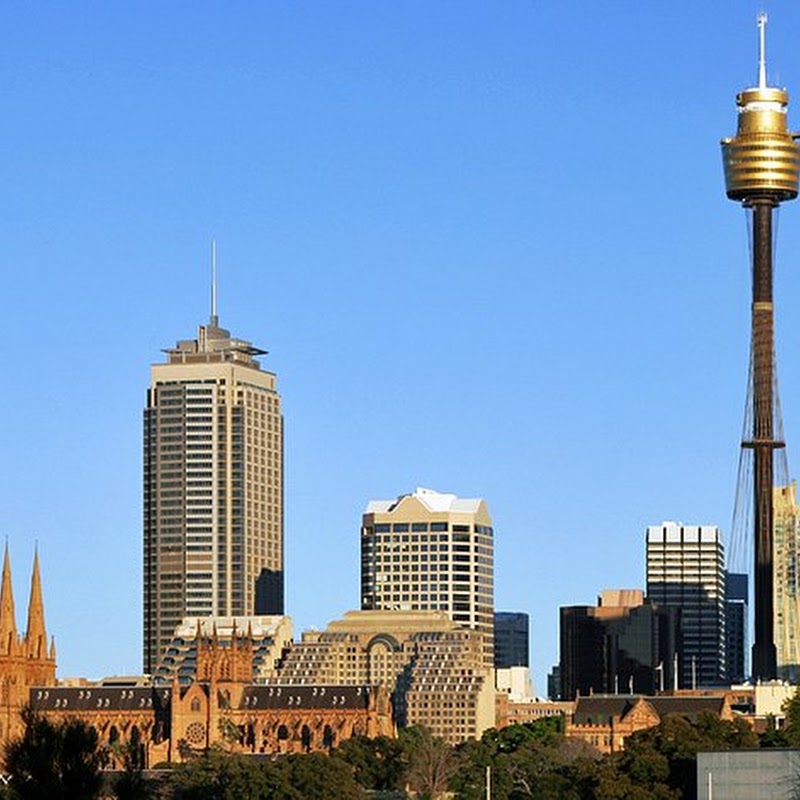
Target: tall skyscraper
213	486
428	551
762	163
787	581
686	571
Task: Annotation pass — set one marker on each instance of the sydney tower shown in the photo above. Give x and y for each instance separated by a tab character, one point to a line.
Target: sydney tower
761	171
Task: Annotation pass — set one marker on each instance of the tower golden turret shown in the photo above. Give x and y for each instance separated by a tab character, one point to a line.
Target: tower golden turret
761	170
763	160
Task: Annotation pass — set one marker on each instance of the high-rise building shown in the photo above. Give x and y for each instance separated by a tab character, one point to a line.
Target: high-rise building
213	486
428	551
686	570
623	644
762	164
511	639
735	626
786	557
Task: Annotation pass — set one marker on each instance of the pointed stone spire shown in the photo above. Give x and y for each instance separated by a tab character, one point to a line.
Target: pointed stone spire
8	623
52	648
36	636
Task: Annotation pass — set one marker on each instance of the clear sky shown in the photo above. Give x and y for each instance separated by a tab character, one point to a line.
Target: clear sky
486	244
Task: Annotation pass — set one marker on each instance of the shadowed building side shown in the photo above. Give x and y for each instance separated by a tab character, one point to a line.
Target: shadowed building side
736	626
624	644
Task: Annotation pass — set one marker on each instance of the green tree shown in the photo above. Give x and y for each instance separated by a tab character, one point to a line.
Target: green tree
667	754
225	776
321	777
376	763
54	761
220	776
533	760
791	725
773	736
506	740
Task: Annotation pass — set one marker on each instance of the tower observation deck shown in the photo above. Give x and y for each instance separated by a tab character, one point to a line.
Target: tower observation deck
761	164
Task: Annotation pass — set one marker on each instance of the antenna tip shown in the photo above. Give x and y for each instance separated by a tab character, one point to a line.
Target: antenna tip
214	318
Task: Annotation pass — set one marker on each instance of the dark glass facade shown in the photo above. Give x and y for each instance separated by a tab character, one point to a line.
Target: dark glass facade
617	650
511	639
736	626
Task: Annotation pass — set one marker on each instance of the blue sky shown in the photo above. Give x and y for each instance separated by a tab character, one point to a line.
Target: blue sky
486	244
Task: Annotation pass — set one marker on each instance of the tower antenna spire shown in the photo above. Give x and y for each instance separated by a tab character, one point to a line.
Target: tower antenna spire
762	50
214	317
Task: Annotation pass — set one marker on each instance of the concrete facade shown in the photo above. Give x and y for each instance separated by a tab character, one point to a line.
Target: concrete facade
765	774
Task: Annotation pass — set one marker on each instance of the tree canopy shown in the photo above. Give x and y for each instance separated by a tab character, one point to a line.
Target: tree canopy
523	762
54	761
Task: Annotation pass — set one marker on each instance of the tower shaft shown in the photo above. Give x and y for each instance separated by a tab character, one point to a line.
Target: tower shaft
763	442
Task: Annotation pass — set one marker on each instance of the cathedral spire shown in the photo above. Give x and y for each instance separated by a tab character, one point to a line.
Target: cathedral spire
36	634
8	623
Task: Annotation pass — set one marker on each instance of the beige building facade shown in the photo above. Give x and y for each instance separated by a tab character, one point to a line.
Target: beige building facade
434	667
429	551
213	487
786	566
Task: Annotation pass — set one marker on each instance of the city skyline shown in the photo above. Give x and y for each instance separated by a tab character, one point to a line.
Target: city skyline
487	249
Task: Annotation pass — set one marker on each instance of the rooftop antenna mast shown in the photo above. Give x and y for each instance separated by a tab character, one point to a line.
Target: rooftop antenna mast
214	317
762	50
